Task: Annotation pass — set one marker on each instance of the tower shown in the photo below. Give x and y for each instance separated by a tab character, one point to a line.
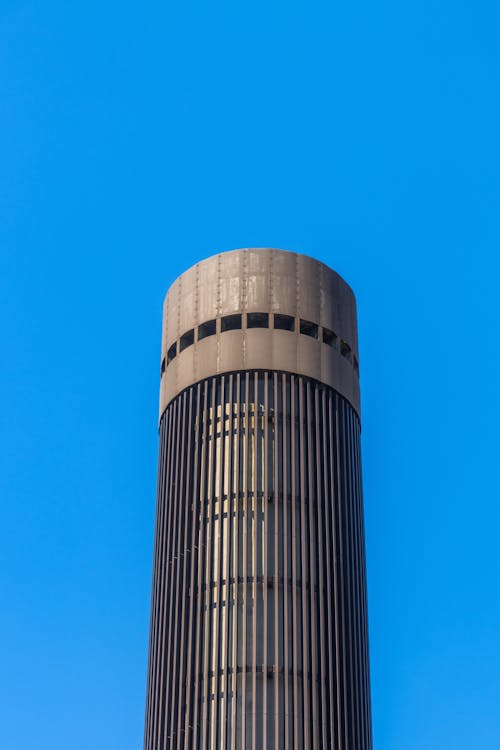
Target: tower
258	617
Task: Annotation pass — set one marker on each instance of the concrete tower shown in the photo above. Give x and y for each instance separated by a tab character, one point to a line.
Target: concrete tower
258	618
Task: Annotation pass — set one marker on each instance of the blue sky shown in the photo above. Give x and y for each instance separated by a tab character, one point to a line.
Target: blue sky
138	138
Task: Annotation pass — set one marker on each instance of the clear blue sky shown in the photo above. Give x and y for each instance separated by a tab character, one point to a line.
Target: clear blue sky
138	138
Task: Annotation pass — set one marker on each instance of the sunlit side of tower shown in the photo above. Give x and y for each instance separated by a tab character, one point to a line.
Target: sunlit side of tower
258	632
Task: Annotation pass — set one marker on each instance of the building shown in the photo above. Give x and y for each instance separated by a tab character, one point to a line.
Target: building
258	619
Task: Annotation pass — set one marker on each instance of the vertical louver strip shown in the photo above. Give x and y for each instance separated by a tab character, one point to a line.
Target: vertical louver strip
258	618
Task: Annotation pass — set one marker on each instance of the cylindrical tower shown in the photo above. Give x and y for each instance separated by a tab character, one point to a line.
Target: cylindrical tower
258	618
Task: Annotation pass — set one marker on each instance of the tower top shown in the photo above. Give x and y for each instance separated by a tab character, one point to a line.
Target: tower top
259	308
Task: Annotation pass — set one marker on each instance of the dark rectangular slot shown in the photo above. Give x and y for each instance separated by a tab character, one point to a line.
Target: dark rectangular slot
163	365
308	328
171	353
231	322
284	322
329	337
206	329
187	339
257	320
345	350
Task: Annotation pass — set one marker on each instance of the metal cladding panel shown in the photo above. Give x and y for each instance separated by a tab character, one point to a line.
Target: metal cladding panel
258	619
208	303
270	282
284	282
309	274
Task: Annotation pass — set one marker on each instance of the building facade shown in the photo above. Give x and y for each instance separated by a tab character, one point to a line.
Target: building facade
258	632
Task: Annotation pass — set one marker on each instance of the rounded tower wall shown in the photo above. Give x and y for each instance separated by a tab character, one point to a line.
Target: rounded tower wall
259	308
